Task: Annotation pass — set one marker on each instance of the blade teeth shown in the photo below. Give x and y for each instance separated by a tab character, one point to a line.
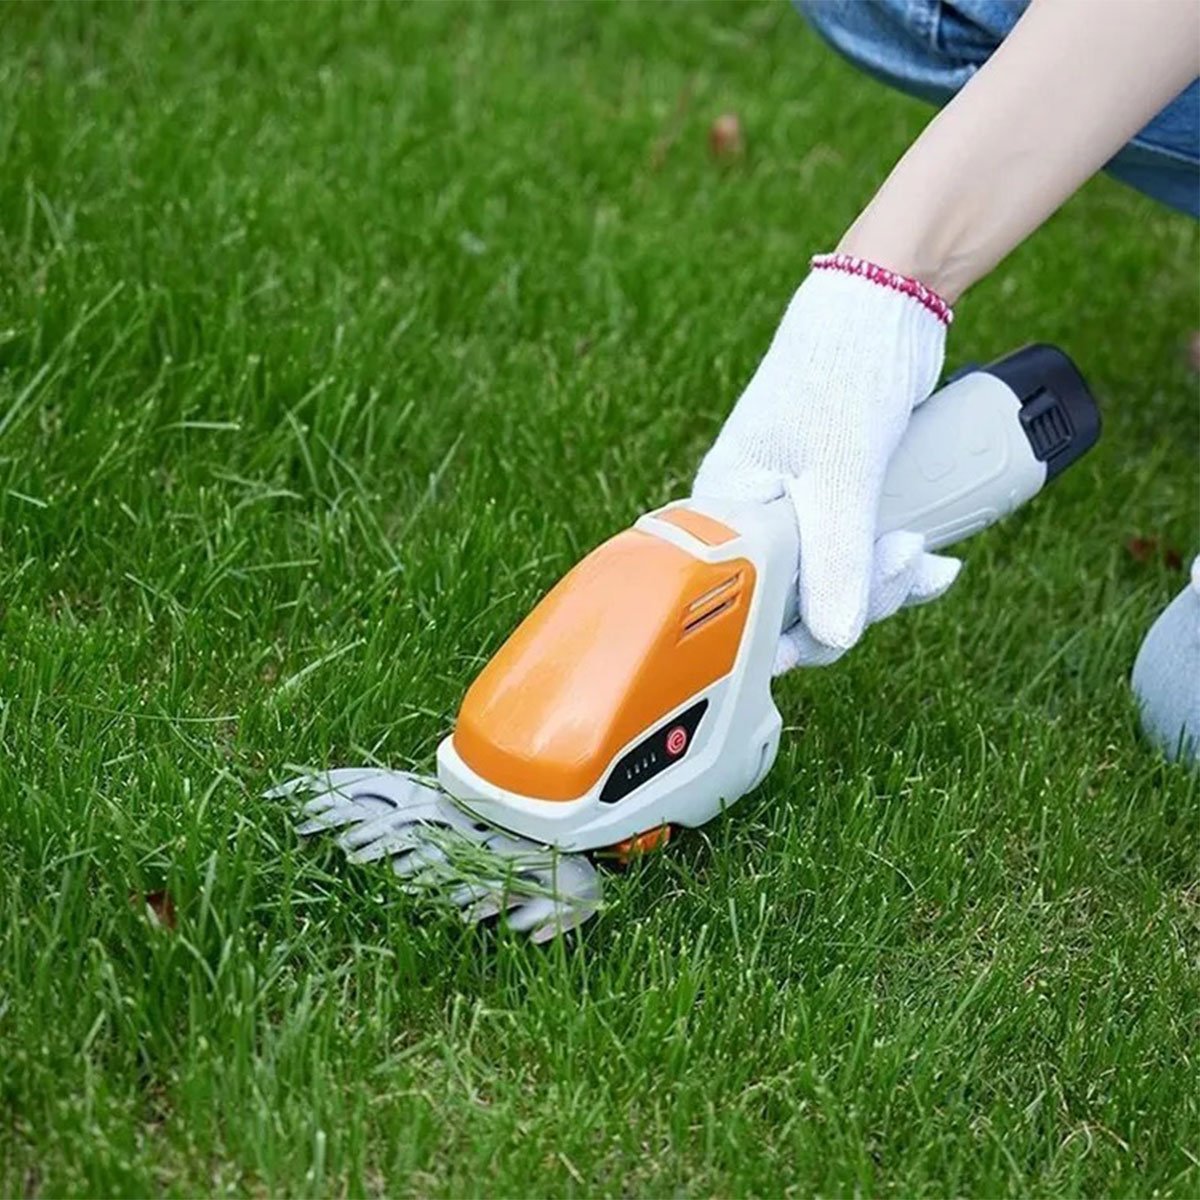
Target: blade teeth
319	804
539	935
281	791
369	831
317	825
389	844
408	820
335	818
483	910
532	914
417	860
468	894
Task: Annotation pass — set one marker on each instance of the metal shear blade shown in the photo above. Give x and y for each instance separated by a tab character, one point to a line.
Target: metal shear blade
444	851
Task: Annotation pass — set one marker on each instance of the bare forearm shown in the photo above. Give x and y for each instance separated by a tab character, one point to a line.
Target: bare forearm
1063	93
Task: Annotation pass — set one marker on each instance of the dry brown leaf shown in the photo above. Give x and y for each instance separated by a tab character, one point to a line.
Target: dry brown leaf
160	905
725	137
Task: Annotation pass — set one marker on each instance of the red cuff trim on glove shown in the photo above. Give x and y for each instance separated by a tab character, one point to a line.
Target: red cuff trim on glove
850	265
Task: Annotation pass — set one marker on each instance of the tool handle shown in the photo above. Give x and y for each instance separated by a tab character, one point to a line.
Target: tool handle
979	448
985	443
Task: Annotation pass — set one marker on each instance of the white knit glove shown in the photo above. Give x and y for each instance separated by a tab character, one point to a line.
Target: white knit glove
858	349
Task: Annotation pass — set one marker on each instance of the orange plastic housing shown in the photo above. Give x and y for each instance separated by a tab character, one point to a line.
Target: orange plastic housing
706	529
643	843
624	638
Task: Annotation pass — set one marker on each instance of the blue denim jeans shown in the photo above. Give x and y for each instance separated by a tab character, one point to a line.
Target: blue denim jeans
930	48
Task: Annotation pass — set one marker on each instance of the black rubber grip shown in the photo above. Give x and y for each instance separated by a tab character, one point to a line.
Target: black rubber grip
1058	411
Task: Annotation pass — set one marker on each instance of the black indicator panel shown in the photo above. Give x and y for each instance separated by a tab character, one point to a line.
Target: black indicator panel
667	745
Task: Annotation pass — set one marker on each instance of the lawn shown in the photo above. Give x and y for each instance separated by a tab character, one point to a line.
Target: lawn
330	335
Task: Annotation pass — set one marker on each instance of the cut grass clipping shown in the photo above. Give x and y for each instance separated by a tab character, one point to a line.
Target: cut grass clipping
331	336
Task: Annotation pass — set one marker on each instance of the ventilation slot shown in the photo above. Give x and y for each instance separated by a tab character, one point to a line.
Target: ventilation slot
704	618
712	604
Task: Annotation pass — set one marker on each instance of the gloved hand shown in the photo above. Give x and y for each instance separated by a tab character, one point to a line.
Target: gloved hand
857	350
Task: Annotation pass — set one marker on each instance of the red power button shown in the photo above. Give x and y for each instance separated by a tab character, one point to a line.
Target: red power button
677	741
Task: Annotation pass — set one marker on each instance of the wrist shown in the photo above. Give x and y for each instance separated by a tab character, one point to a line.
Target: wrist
937	244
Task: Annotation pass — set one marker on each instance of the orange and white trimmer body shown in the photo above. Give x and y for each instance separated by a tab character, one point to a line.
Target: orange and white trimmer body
637	693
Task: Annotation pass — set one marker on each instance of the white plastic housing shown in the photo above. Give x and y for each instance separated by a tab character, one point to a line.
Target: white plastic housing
964	463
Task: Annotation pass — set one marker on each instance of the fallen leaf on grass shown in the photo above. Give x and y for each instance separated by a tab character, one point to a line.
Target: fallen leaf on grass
1149	549
159	906
1141	549
725	137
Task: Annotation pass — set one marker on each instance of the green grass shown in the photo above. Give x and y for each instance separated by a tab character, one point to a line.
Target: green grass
329	337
